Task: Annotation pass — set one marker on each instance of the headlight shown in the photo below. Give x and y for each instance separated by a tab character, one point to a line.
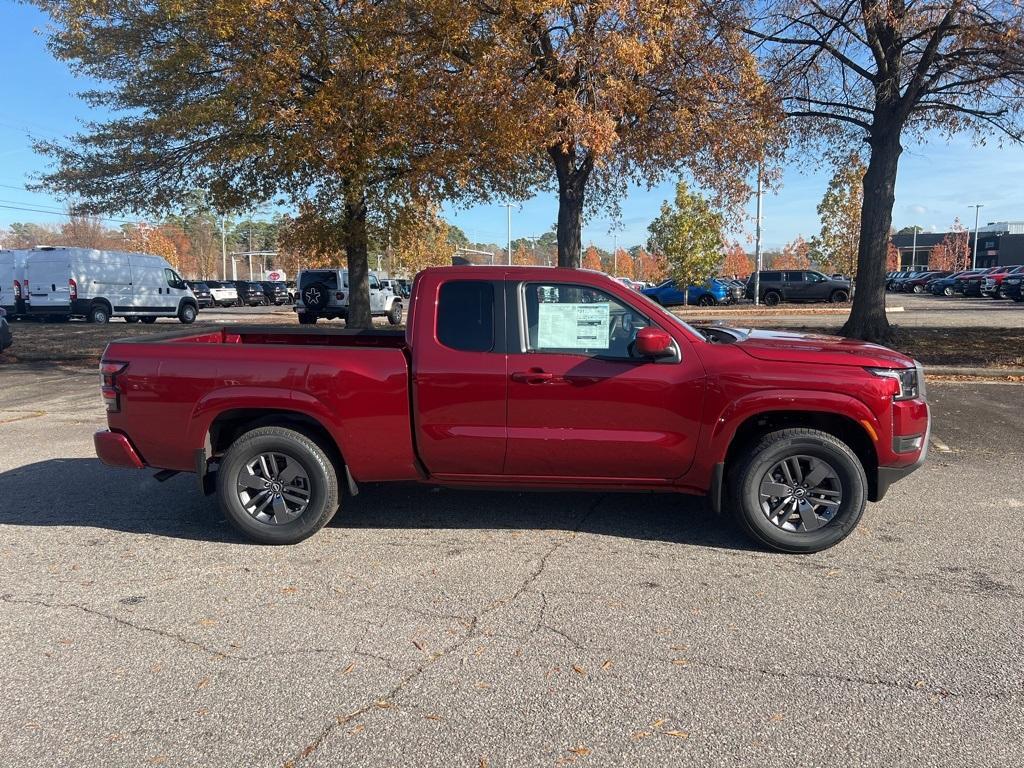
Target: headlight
907	378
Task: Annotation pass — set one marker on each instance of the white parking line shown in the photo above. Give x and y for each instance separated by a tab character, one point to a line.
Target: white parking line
940	446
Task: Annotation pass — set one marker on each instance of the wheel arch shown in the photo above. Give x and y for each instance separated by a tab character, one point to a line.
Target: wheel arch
843	427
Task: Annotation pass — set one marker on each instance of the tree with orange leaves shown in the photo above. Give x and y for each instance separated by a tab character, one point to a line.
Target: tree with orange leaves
953	253
892	259
592	259
736	262
793	256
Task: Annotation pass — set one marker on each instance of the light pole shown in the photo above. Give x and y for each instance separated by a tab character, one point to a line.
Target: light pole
757	244
974	255
508	206
913	258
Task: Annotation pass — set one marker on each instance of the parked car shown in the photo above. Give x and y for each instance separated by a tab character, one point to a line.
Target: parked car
250	293
799	285
630	283
97	285
971	284
13	288
323	293
993	284
1013	287
224	292
275	292
944	285
293	291
669	294
522	377
919	283
202	293
6	338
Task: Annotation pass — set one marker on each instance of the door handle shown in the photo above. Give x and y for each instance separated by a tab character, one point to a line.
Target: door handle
533	377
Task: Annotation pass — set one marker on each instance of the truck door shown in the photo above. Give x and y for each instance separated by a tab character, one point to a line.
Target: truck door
148	285
48	273
460	382
580	405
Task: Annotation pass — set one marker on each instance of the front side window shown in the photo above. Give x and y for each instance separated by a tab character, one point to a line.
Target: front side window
573	319
173	279
465	315
795	277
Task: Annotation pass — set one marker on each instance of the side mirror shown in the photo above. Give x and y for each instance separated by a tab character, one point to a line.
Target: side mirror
653	343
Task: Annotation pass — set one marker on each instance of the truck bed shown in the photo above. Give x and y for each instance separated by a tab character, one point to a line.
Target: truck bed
177	387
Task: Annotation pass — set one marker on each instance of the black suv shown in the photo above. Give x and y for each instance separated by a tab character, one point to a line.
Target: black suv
250	293
799	285
276	292
203	295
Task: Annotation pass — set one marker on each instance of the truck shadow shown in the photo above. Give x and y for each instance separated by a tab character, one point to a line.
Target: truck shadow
84	493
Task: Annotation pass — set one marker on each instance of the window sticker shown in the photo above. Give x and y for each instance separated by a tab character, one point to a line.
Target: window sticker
573	326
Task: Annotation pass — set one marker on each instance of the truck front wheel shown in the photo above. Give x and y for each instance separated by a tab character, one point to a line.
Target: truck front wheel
798	490
277	486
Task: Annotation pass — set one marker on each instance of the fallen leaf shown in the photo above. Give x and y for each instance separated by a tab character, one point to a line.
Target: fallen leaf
579	670
436	718
777	717
383	704
681	662
419	644
481	686
289	590
677	734
208	622
484	762
358	729
641	734
203	683
348	669
658	723
608	664
157	759
580	750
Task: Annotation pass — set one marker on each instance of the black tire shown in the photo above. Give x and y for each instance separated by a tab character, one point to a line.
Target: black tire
320	475
947	291
99	313
918	289
839	297
187	313
746	475
131	319
772	298
395	315
307	319
148	320
706	300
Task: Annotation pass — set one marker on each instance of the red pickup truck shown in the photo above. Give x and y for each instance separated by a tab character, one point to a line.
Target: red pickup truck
513	377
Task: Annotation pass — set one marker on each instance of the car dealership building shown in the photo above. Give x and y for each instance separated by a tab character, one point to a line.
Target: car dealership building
999	243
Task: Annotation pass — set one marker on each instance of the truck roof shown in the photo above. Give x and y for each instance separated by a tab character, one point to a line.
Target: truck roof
492	271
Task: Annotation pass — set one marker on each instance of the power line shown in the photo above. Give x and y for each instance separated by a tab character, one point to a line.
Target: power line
68	215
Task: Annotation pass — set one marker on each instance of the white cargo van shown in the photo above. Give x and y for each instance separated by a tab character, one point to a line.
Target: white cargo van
98	285
12	282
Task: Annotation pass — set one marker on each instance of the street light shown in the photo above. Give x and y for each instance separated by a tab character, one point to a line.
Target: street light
974	256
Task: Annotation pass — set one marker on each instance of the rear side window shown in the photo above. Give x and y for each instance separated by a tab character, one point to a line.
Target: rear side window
465	315
327	278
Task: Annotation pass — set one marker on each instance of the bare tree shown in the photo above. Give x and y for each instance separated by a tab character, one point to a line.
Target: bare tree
877	70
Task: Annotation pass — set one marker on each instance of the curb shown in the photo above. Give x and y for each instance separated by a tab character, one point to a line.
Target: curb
955	370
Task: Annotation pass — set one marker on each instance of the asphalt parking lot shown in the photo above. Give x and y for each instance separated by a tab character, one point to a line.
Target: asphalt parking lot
450	628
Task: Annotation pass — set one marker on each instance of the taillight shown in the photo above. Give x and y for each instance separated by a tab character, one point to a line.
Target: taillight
73	288
109	371
17	289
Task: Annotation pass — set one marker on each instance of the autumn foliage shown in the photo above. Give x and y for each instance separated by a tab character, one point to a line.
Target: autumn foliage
953	253
736	262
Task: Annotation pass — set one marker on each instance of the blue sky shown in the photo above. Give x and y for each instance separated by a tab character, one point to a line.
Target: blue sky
937	180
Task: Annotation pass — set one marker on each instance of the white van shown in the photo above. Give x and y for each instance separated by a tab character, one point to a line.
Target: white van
97	285
12	282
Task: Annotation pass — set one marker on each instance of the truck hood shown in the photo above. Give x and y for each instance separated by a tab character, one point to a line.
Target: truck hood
790	347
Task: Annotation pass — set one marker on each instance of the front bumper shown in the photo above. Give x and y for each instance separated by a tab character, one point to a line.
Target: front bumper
886	476
116	450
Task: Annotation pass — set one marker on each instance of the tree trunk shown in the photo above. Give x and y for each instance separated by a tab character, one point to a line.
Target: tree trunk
867	319
357	254
572	186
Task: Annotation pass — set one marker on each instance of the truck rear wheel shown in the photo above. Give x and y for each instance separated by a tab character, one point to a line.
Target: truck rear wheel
277	486
798	490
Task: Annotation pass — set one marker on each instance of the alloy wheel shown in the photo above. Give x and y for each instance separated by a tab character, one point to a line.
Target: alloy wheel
800	493
273	488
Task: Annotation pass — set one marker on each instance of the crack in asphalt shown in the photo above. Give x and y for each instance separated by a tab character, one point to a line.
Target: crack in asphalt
181	639
470	634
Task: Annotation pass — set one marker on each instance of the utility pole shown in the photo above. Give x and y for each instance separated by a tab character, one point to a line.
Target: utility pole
974	256
615	255
757	243
913	259
508	255
223	247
